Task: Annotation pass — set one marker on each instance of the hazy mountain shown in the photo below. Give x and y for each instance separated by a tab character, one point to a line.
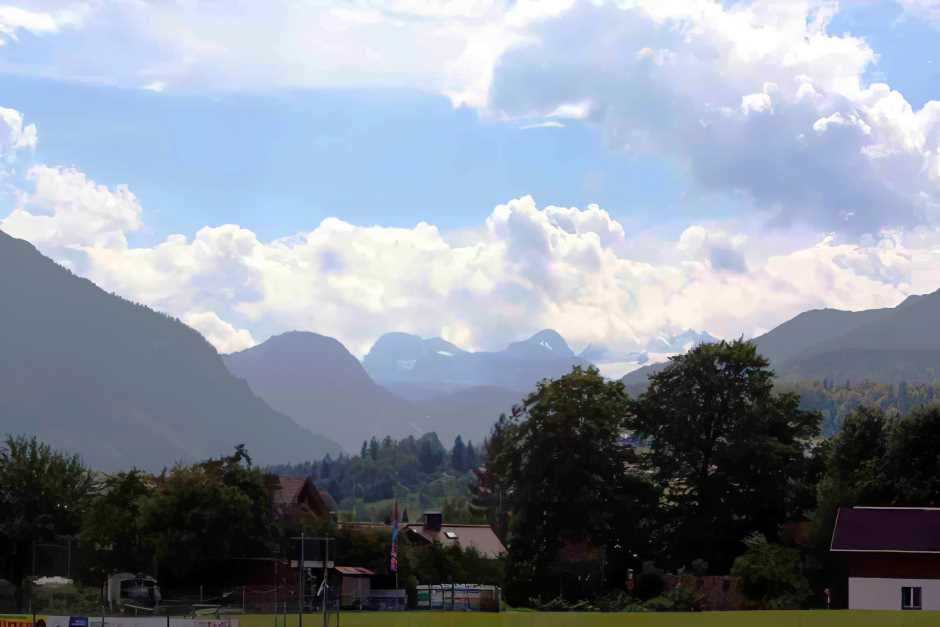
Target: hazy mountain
119	383
470	412
401	360
321	385
884	345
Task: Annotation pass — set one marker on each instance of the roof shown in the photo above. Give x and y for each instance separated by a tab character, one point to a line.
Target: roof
479	537
294	494
887	530
288	490
354	570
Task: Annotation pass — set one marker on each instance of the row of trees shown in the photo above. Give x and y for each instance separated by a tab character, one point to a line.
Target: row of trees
702	472
420	472
836	400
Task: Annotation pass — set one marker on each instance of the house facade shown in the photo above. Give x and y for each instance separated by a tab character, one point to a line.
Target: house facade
892	555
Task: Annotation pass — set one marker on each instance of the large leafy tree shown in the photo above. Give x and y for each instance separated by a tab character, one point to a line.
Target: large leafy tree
202	514
43	493
110	524
728	453
561	464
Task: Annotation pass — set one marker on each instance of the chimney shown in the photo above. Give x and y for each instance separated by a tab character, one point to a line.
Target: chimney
433	521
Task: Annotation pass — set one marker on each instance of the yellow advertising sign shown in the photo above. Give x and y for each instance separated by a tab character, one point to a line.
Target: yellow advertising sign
21	620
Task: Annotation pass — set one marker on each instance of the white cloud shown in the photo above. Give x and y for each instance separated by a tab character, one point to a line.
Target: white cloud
156	87
927	9
753	97
219	333
14	19
66	209
526	267
547	124
14	134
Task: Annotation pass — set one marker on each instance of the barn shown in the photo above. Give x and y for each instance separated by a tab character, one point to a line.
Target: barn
892	555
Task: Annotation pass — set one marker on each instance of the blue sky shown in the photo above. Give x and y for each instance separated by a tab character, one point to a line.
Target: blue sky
726	146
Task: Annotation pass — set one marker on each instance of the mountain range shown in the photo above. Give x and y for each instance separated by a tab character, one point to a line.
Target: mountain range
120	384
405	385
126	386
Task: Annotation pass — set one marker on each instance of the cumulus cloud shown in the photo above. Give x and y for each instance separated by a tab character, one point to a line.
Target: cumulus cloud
67	209
756	97
225	337
524	268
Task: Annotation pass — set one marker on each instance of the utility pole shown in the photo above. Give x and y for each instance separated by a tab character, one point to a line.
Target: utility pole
326	575
300	594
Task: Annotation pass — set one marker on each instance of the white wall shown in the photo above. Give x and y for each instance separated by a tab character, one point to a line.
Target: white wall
885	594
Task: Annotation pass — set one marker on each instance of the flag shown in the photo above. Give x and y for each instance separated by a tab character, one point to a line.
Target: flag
393	564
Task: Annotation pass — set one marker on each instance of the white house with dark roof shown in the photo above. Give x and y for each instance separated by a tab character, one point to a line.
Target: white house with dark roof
892	555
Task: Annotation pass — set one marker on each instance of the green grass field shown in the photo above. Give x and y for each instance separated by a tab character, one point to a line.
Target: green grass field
546	619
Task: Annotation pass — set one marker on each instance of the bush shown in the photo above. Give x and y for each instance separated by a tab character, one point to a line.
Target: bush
770	575
679	599
650	582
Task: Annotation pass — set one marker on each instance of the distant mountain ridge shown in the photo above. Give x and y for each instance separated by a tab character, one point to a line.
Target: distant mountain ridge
404	359
887	345
322	386
118	383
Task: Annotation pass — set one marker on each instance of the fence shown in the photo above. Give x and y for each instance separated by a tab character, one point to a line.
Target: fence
459	596
43	620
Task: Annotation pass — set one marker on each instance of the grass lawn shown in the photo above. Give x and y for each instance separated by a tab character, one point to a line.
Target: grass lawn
574	619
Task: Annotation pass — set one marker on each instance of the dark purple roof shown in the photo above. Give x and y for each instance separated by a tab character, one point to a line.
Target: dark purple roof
887	529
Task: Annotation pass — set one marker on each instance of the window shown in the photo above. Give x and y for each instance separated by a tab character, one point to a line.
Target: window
910	598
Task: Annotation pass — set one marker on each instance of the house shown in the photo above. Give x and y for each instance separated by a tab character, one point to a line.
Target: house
892	556
298	496
433	529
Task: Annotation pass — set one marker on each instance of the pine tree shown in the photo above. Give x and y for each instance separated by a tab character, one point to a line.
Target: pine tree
374	448
458	456
365	449
473	460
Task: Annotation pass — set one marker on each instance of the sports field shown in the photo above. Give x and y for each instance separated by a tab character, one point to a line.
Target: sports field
574	619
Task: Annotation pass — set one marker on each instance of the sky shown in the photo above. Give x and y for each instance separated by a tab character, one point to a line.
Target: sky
477	169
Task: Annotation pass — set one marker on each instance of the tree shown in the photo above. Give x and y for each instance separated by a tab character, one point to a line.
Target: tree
770	574
374	448
562	466
199	515
43	493
725	449
912	464
473	460
110	524
458	455
430	453
365	450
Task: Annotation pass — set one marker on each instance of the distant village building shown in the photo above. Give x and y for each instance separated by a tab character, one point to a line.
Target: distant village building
296	497
892	555
434	529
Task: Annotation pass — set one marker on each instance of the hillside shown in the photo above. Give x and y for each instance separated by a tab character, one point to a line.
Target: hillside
321	385
882	345
119	383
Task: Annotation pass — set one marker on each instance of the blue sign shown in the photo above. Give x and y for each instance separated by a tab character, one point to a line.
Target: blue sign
78	621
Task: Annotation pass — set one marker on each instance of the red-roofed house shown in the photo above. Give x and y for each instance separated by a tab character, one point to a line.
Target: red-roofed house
892	555
479	537
297	496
